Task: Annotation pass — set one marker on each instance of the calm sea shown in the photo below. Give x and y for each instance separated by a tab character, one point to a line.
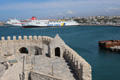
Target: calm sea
84	40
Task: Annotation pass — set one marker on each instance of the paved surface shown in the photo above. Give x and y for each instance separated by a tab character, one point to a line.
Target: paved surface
13	72
43	64
2	70
2	67
61	70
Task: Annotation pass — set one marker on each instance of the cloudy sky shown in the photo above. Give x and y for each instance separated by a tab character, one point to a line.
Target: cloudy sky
45	9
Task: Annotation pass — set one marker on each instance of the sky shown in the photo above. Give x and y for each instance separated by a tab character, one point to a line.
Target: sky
50	9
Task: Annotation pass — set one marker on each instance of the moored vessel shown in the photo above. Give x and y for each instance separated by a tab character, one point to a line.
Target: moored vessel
34	23
13	23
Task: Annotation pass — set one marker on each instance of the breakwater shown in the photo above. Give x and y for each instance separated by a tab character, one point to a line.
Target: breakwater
109	43
112	45
41	45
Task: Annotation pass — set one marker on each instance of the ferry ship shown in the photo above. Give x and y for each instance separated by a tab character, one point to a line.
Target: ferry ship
13	23
34	23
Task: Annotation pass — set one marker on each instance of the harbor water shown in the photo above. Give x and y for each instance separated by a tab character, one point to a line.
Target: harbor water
84	40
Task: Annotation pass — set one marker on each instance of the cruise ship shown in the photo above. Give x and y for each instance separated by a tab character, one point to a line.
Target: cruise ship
34	23
13	23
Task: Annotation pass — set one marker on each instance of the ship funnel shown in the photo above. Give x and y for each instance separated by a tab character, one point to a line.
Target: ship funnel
33	18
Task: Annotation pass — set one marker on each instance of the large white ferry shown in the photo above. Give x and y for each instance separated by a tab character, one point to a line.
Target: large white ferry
34	23
13	23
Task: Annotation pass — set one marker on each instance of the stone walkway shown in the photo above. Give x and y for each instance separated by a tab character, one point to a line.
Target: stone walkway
61	70
14	72
2	67
43	64
2	70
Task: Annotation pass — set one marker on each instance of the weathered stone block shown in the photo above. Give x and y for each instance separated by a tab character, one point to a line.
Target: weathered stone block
86	70
14	37
86	76
25	37
8	38
2	38
19	38
35	37
39	38
30	37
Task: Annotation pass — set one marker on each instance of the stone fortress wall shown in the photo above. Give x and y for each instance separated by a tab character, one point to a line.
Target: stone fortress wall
47	45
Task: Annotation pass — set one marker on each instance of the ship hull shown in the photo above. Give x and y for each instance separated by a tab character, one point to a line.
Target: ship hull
46	26
12	25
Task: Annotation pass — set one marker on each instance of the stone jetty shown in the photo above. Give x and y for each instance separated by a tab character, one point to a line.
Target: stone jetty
41	58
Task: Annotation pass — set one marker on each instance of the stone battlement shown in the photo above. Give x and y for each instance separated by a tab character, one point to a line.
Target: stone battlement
78	64
38	45
44	38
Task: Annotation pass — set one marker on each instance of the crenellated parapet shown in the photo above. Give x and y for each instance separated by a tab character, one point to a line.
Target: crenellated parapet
79	65
13	44
28	38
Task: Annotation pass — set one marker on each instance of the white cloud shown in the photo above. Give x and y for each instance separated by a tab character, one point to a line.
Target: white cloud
70	12
60	14
112	9
66	13
60	8
57	4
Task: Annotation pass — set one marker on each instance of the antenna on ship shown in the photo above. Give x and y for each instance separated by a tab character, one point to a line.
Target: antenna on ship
63	17
9	18
15	17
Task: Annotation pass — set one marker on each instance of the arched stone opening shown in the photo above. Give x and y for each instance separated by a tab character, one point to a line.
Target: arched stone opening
57	51
23	50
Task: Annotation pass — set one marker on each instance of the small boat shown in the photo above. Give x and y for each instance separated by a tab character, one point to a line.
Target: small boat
34	23
13	23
